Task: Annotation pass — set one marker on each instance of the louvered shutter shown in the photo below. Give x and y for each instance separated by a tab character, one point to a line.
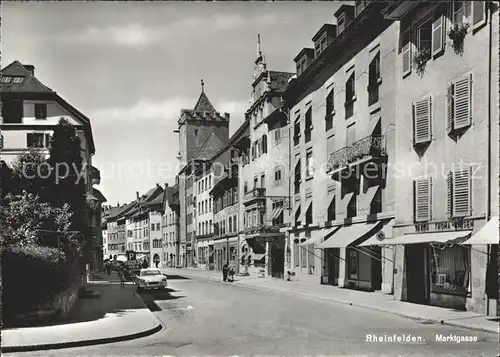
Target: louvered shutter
449	194
462	102
462	193
438	32
449	109
423	200
406	55
478	12
422	121
1	141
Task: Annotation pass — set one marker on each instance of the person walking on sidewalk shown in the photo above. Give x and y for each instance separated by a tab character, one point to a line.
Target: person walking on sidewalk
225	269
122	278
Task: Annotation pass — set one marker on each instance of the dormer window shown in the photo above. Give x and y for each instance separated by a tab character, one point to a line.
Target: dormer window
360	5
6	79
18	80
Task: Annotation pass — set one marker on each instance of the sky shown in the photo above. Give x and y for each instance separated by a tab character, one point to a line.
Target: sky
131	67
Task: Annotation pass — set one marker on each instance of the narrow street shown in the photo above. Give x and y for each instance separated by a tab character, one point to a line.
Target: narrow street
203	317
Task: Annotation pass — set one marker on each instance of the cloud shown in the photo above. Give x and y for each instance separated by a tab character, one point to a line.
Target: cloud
138	35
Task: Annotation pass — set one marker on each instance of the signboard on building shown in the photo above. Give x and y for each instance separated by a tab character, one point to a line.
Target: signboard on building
452	225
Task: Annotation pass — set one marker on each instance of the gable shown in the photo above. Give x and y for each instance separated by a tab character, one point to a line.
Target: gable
209	148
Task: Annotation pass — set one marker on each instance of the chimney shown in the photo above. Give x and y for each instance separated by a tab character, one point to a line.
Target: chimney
30	68
137	194
226	116
118	204
157	185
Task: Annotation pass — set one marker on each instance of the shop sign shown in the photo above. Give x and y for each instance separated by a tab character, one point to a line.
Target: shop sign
452	225
265	239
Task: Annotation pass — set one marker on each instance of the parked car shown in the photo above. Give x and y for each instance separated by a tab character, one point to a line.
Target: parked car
151	278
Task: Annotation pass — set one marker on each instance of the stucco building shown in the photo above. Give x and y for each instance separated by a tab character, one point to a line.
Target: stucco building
446	80
170	222
342	110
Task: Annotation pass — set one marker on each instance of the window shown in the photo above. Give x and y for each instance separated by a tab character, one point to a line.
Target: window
38	140
374	80
296	131
230	225
340	23
6	79
245	187
406	52
12	111
330	109
359	6
438	33
350	96
449	270
277	177
350	135
235	228
309	215
459	193
309	164
331	213
309	125
422	121
459	104
424	38
264	144
352	264
422	200
209	181
298	177
330	145
462	11
152	226
303	65
157	226
210	204
18	80
40	111
303	254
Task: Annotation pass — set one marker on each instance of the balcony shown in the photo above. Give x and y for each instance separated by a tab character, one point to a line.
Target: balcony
255	194
370	148
262	228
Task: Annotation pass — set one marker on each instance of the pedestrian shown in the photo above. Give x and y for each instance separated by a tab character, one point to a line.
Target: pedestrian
122	278
156	263
225	269
144	264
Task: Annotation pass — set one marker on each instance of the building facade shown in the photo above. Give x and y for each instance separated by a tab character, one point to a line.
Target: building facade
261	187
200	130
154	208
170	221
447	152
203	219
342	109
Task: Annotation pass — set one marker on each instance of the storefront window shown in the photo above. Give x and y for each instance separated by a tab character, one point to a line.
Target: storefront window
352	264
450	270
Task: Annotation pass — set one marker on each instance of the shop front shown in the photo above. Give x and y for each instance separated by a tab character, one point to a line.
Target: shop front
267	254
443	264
354	265
226	251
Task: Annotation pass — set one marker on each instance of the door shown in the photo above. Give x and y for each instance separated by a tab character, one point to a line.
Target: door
376	266
277	262
333	265
417	282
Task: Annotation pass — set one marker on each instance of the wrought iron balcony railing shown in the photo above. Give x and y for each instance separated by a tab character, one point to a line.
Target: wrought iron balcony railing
370	146
255	194
262	228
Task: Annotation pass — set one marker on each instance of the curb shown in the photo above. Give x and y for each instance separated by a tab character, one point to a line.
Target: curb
414	318
54	346
92	342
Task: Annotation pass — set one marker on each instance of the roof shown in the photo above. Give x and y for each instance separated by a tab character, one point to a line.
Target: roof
99	195
121	211
203	104
31	84
305	50
158	200
331	29
209	148
279	80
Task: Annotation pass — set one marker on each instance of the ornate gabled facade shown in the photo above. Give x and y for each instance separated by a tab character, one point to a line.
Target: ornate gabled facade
263	187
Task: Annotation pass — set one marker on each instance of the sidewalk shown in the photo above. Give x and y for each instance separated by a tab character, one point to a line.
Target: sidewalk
116	314
373	301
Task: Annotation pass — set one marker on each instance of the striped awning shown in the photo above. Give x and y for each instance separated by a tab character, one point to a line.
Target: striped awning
318	235
346	235
488	234
430	237
277	211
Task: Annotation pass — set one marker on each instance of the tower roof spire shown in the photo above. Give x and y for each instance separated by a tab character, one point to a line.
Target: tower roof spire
259	51
203	104
202	86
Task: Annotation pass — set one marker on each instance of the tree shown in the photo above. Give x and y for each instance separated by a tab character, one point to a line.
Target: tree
68	183
31	173
25	217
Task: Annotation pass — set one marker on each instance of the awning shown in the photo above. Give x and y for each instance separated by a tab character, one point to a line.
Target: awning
488	234
318	235
348	234
257	256
384	233
277	211
431	237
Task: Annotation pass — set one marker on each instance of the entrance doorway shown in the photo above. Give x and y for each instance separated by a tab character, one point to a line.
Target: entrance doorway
332	265
278	262
417	282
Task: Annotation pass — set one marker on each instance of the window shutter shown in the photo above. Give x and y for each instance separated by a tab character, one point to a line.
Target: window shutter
462	193
406	56
422	121
478	13
438	32
423	200
449	194
449	109
462	102
30	139
264	143
1	141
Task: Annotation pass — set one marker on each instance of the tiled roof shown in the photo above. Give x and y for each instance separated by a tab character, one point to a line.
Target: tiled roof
121	211
29	84
158	200
203	104
210	147
279	80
